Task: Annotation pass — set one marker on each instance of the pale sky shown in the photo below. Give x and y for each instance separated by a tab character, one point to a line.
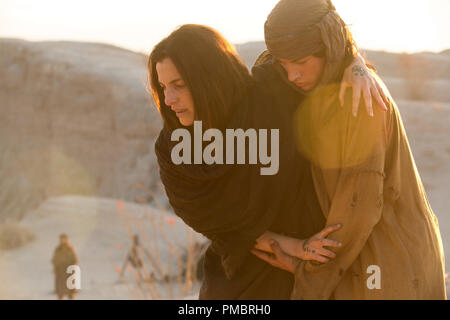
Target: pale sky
391	25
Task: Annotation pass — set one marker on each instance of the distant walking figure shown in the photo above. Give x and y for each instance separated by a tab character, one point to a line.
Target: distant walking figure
134	257
63	257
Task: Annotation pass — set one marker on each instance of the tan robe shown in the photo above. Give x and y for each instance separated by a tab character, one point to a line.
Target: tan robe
366	179
63	257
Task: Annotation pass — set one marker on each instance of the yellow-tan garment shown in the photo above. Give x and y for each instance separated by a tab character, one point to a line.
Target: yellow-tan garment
366	179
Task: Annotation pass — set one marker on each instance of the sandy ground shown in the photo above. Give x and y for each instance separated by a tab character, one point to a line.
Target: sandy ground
99	233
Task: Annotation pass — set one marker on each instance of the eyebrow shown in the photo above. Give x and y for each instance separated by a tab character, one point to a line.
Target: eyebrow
301	60
171	82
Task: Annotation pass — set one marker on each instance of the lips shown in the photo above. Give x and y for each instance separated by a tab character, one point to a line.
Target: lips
179	112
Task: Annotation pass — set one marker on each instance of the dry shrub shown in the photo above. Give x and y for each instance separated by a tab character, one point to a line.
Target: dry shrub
13	235
172	268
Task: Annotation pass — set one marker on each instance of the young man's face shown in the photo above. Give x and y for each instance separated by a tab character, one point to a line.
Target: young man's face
305	73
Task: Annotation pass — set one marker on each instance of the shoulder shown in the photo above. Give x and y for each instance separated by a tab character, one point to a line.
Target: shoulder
381	121
264	71
270	78
367	137
334	138
392	115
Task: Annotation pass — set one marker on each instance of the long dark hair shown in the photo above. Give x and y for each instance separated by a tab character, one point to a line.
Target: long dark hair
210	68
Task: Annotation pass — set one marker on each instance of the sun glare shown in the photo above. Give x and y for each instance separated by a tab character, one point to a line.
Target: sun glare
400	25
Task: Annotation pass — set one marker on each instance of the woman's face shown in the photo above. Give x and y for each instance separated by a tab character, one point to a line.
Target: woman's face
305	73
177	95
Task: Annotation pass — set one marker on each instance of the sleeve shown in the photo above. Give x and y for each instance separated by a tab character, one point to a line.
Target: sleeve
266	193
353	188
266	76
234	247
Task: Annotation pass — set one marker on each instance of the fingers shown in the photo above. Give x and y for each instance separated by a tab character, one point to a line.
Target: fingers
267	257
344	86
263	255
325	232
279	253
330	243
326	253
381	94
378	99
286	261
356	98
368	100
279	259
319	258
385	96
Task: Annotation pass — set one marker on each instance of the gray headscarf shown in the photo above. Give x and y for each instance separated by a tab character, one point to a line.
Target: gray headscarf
299	28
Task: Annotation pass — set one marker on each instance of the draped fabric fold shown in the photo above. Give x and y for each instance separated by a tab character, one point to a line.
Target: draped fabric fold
233	205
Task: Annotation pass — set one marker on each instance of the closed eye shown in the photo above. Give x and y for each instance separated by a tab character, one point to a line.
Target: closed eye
177	85
300	62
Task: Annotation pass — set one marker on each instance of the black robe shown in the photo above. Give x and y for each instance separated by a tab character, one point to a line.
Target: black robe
234	205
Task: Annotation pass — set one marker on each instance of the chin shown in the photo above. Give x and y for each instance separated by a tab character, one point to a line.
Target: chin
186	123
308	87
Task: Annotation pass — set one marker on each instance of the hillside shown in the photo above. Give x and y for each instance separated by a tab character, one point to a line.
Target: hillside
76	119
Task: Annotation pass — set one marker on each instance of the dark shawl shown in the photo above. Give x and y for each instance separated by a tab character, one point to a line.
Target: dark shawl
233	205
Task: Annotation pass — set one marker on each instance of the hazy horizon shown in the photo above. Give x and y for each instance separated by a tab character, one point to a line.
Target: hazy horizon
394	26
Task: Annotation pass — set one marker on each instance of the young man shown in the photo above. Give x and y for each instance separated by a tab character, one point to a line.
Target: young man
363	172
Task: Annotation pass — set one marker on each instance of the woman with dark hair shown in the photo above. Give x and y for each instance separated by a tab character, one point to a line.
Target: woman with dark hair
195	74
363	171
210	70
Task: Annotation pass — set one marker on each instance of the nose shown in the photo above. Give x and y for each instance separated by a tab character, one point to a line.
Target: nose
294	74
170	97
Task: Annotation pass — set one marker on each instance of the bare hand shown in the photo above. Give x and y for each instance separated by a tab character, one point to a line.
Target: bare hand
289	251
279	259
358	76
314	247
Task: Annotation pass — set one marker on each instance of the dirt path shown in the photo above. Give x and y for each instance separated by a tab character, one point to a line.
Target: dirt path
99	235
